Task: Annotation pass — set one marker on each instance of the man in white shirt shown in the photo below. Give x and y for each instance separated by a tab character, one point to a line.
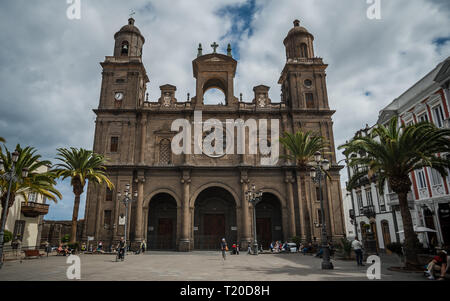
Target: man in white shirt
357	246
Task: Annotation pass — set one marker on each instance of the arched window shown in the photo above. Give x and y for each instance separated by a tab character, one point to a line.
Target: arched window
165	154
214	96
303	50
125	48
386	232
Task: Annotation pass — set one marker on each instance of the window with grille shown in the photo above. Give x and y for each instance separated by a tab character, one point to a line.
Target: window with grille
381	202
32	197
19	229
309	98
421	179
303	50
318	191
109	195
319	216
435	177
165	154
107	219
423	118
359	199
438	116
114	148
369	197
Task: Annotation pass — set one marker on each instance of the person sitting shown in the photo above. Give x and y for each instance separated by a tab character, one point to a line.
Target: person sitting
60	250
234	251
319	253
439	262
307	249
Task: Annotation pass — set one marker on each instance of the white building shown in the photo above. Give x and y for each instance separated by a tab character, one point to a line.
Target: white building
25	220
427	100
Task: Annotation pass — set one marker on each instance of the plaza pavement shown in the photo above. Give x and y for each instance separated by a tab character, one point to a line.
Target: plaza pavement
199	266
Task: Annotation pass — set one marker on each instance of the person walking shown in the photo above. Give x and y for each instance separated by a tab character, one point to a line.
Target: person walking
121	249
143	246
224	248
357	247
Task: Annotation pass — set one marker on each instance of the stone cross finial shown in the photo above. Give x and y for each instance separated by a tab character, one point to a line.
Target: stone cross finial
229	50
200	50
214	46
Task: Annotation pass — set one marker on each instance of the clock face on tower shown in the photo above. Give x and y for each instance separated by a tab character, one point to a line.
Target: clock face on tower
118	96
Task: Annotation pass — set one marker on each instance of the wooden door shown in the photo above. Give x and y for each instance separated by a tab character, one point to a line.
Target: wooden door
264	231
214	230
386	235
165	234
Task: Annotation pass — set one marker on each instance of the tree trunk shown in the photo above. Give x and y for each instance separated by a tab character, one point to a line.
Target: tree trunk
411	242
76	206
10	203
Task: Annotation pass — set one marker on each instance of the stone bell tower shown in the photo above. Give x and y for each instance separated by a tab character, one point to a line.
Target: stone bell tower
303	77
124	76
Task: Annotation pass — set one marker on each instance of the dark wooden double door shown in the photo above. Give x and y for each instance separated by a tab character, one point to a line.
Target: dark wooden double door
264	231
165	238
214	230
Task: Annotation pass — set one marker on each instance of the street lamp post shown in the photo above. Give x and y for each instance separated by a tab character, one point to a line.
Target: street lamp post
126	201
11	177
254	197
317	174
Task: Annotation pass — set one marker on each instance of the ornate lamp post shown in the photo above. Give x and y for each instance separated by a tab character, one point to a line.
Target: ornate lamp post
126	200
11	177
318	174
254	197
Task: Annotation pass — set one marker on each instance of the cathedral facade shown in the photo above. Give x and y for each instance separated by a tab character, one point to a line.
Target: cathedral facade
190	200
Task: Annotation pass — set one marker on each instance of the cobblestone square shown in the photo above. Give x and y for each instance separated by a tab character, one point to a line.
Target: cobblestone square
199	266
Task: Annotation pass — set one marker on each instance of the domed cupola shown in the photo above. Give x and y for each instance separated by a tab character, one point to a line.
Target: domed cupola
129	40
299	43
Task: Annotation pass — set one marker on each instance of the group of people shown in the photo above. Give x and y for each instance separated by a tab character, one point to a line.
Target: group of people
439	263
277	247
63	250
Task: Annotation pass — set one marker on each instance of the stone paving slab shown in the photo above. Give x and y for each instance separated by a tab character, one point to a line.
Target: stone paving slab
198	266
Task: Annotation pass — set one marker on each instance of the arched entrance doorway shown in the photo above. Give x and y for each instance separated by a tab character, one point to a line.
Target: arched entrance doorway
214	218
162	222
268	220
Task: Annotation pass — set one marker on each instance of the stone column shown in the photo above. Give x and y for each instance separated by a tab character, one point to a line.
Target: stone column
139	209
290	195
143	138
301	205
184	245
309	209
245	236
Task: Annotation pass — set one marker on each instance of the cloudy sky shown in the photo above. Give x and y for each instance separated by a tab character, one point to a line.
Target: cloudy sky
50	74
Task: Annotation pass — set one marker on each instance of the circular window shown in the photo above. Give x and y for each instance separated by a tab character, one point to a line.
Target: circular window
308	83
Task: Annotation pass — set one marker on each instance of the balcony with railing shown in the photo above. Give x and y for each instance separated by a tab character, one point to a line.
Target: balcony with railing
369	211
392	199
31	209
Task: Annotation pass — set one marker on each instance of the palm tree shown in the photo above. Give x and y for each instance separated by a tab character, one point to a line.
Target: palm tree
35	182
2	140
392	153
80	165
301	148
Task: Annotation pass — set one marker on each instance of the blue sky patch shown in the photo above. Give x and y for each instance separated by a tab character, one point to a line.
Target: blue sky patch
241	15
